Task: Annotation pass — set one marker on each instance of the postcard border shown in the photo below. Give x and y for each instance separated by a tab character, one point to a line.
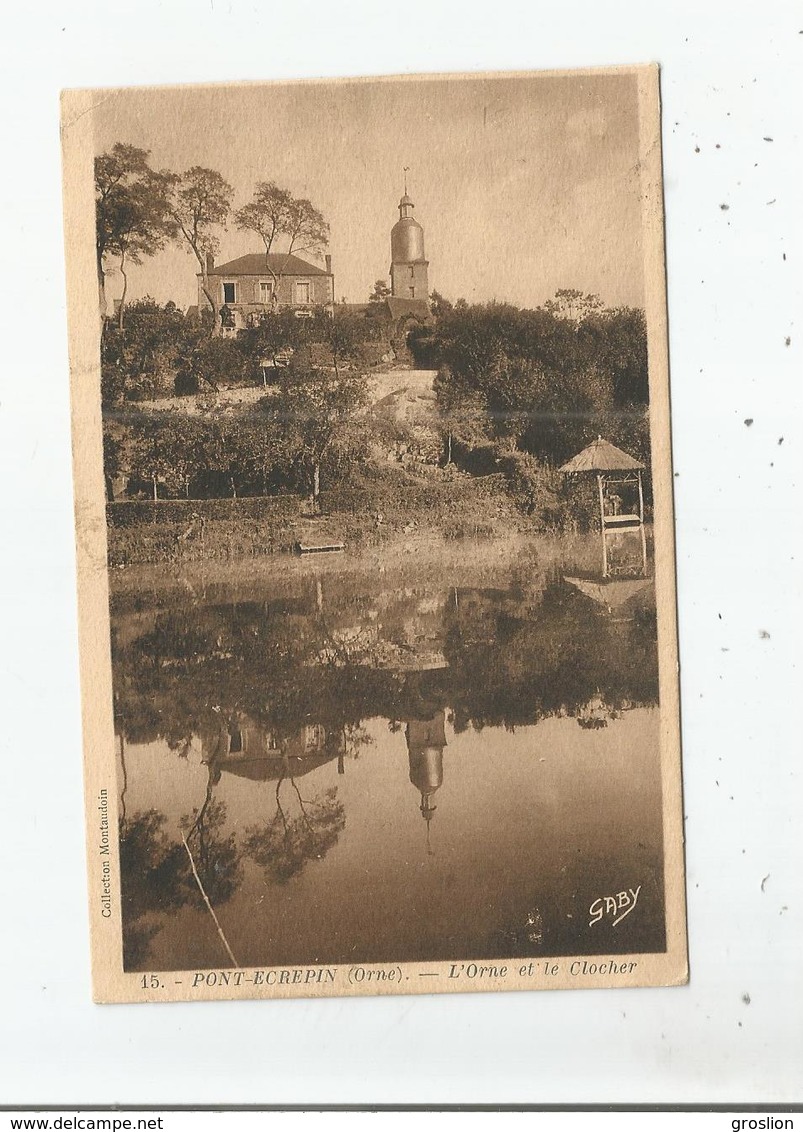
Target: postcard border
110	982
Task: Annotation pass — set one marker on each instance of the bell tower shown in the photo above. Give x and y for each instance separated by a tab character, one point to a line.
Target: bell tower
408	263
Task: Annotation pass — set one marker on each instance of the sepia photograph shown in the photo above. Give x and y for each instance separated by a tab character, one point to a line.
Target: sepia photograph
375	535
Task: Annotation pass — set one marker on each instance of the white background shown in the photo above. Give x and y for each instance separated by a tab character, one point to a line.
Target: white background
731	77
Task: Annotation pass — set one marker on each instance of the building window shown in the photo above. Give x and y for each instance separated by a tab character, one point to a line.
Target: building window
265	292
302	294
314	737
229	293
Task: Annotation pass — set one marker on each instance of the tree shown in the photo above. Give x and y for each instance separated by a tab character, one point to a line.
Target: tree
574	305
131	213
143	359
118	444
546	381
463	413
619	339
142	227
199	204
266	214
380	292
212	361
163	449
312	408
439	306
275	215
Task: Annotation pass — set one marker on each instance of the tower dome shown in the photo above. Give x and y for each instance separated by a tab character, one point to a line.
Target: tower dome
407	236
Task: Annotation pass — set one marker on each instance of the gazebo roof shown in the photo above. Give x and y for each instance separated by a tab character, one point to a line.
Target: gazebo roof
602	456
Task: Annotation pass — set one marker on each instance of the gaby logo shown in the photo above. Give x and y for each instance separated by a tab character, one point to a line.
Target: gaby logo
614	907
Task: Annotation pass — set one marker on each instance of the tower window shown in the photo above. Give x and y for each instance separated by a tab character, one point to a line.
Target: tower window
412	273
412	292
229	293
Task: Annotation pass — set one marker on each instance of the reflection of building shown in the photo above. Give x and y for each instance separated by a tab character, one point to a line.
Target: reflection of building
426	739
245	749
595	713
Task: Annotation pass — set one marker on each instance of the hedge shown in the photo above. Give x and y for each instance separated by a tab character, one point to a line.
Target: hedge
139	512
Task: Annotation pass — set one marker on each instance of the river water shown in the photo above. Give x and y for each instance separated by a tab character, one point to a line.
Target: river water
394	757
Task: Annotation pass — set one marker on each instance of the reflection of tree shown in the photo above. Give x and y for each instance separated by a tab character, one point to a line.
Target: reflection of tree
152	880
156	875
355	737
516	654
216	856
284	845
194	666
513	665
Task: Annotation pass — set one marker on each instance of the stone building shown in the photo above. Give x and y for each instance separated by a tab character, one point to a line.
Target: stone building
256	284
408	302
408	263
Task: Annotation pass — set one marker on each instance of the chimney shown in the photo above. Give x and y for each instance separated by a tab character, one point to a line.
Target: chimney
328	259
210	263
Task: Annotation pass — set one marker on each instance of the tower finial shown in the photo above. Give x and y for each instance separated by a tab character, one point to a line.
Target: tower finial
406	171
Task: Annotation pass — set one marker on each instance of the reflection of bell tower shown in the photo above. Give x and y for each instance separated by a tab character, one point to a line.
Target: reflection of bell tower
426	739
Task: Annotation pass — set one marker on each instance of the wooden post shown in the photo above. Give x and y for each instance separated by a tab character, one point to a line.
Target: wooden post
641	526
602	527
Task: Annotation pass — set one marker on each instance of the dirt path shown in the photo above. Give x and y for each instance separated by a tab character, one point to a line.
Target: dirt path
411	384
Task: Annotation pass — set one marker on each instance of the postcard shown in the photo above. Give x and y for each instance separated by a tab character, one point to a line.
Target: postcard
375	536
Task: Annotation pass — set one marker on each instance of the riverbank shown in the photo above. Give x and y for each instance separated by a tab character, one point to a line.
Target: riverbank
449	509
418	561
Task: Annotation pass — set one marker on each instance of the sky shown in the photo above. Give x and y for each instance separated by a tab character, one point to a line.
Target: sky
523	184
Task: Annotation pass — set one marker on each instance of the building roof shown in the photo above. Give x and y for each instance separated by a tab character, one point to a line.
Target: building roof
260	264
602	456
398	308
271	767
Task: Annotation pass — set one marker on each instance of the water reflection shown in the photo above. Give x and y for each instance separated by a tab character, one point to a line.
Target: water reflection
426	739
281	740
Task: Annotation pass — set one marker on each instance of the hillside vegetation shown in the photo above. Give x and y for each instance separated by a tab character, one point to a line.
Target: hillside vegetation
502	397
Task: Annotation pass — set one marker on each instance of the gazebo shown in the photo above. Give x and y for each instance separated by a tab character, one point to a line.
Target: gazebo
621	494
